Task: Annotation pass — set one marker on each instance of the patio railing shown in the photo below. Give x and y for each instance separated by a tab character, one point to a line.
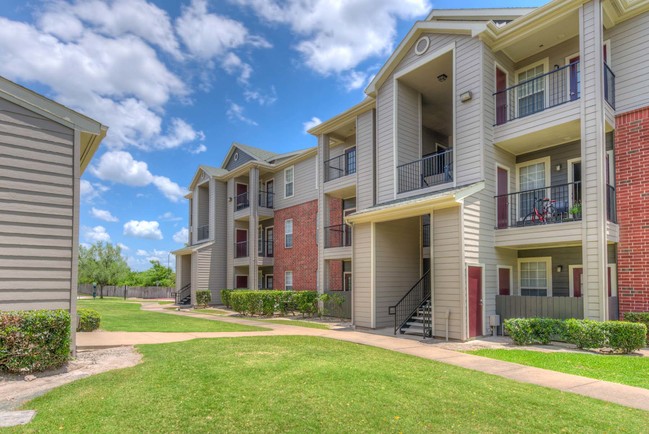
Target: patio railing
338	236
427	172
340	166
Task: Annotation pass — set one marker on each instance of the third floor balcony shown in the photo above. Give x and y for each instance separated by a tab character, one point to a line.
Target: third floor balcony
427	172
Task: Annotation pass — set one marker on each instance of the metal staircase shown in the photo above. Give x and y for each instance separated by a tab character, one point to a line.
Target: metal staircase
413	313
184	296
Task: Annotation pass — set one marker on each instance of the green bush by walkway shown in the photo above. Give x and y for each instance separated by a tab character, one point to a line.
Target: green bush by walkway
268	302
89	320
304	384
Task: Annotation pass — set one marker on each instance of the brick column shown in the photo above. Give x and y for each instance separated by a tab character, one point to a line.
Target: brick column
632	192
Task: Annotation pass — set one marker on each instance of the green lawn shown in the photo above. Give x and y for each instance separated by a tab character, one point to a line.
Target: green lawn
219	312
631	370
119	315
307	324
307	384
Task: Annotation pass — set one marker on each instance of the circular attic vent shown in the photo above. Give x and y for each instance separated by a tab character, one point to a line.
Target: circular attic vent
422	45
236	156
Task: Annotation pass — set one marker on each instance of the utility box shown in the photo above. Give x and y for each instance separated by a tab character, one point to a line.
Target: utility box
494	323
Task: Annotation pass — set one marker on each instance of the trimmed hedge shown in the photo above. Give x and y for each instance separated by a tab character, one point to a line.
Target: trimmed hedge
203	297
641	317
88	320
34	340
268	302
619	336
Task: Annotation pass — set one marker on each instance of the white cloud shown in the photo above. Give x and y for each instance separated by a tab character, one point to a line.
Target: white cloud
200	148
91	191
124	247
181	236
235	113
354	80
142	258
314	122
120	167
180	133
103	214
169	217
337	36
143	229
261	98
98	233
233	65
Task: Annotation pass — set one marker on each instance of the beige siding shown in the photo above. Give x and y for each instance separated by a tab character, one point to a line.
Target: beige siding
398	264
210	272
304	187
447	272
629	61
36	210
408	124
365	160
362	275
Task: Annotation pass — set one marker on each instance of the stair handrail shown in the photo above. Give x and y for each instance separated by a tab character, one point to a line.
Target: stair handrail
183	292
402	313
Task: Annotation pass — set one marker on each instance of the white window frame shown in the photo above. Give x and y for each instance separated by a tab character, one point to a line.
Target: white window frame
292	171
546	68
611	167
345	274
548	179
613	268
286	233
286	285
266	280
548	272
260	240
571	178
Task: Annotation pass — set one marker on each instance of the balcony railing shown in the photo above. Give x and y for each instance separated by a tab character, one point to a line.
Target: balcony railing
265	248
338	236
203	233
242	201
340	166
554	204
241	249
266	199
609	86
427	172
426	235
611	204
548	90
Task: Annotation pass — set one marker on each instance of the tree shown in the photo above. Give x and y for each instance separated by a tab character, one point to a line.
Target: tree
102	264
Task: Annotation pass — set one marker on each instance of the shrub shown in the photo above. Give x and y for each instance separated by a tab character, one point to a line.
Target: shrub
88	320
585	333
624	336
34	340
331	303
306	302
527	331
641	317
203	298
268	302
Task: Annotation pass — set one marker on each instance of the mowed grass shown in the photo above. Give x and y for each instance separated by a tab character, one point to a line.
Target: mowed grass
630	370
118	315
298	323
307	384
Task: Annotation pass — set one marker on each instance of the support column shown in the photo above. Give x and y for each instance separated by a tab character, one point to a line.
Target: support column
253	223
230	235
323	155
593	151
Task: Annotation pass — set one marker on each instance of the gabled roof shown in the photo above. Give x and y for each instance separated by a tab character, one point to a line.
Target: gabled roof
258	153
213	171
92	131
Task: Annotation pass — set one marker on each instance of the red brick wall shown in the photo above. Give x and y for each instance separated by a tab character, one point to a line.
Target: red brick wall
632	190
335	280
302	258
335	211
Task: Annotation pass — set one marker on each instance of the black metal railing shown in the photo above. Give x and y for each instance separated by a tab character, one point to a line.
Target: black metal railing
183	296
241	249
266	199
340	166
266	248
203	233
242	201
611	204
609	86
427	172
554	204
415	298
338	236
426	235
548	90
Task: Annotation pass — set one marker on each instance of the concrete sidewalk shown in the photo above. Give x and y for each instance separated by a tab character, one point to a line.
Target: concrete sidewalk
629	396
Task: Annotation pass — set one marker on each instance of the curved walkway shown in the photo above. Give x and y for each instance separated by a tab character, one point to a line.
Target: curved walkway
629	396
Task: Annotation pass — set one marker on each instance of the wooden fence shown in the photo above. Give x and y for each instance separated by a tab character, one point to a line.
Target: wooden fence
521	306
146	292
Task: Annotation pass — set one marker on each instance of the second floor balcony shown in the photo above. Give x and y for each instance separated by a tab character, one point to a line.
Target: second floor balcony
203	233
427	172
338	236
341	165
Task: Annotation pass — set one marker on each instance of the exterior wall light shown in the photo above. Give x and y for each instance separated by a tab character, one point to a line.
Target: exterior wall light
466	96
559	268
442	78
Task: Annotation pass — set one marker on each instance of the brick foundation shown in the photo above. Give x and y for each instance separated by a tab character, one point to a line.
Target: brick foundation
632	189
302	258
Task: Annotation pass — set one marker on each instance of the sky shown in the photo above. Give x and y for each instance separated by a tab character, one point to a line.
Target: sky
177	82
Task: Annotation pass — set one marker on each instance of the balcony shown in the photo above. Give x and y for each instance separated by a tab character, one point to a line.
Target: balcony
609	86
266	249
241	249
548	90
266	199
338	236
426	235
340	166
241	201
611	204
203	233
428	172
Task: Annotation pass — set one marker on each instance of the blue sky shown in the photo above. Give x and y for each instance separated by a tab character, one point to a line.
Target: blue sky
178	81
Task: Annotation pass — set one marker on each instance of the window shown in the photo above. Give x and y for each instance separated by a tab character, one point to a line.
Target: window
288	181
260	241
288	233
532	178
288	280
535	276
531	94
350	161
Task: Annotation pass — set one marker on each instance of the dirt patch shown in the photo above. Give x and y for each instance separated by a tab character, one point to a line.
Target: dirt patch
15	390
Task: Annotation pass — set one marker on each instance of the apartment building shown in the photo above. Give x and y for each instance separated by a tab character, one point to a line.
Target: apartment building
495	167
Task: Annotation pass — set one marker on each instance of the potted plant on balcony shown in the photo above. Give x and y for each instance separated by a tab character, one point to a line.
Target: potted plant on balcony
575	211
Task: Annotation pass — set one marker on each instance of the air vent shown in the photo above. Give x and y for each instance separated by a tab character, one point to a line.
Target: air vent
422	45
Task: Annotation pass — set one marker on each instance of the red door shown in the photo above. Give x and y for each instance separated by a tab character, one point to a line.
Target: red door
504	286
577	274
242	243
503	215
242	281
574	78
609	282
501	97
475	301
